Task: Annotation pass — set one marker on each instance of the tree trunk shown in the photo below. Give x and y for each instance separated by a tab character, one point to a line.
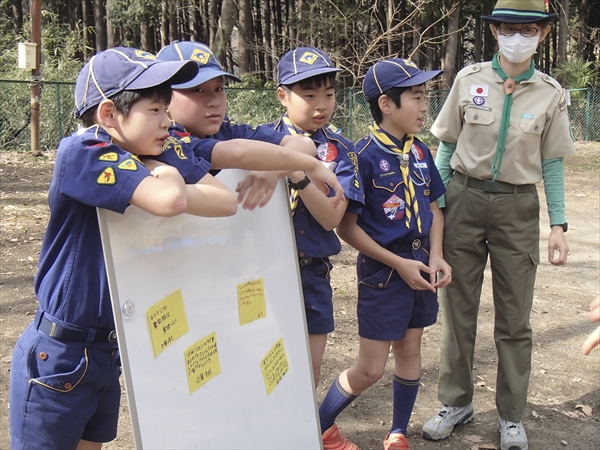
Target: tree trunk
164	24
89	40
226	24
100	25
563	29
259	41
452	47
173	30
17	10
245	36
389	25
110	29
267	40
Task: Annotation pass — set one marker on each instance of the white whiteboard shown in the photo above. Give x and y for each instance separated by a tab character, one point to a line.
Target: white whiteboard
147	259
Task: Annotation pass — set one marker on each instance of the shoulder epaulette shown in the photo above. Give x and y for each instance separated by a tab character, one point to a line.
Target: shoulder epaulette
336	137
362	144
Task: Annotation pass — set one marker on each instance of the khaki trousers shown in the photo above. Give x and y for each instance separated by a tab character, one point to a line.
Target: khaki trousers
504	226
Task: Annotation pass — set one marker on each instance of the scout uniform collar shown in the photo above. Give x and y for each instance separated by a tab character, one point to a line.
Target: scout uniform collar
403	156
510	86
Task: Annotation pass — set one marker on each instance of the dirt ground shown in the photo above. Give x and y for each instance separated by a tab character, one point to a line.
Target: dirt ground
563	409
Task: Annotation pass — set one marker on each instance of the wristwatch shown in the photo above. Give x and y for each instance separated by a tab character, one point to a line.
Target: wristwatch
300	184
564	226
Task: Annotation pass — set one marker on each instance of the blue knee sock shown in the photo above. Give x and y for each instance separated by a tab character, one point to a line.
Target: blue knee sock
334	403
405	394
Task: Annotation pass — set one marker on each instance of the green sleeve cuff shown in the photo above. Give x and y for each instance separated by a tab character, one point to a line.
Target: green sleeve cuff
553	174
442	162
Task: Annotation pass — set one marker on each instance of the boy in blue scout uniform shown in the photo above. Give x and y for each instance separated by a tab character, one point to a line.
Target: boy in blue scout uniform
503	128
198	111
64	378
306	88
398	233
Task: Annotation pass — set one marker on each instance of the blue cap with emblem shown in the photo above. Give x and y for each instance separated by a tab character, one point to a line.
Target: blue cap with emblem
302	63
208	64
394	72
125	69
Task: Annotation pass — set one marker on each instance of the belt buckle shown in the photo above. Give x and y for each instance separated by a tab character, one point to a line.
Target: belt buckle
416	244
491	186
112	336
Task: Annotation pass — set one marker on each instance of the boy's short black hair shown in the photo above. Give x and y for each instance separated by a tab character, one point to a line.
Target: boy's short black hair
318	81
393	94
124	100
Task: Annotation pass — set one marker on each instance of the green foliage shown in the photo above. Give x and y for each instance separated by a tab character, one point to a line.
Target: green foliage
252	102
576	73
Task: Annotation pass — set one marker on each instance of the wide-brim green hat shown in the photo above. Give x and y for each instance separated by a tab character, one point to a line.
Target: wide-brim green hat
521	11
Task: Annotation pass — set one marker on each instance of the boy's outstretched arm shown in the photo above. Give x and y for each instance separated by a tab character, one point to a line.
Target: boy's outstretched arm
257	155
437	263
409	269
258	186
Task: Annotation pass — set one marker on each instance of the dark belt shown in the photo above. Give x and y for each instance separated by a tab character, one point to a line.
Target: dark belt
492	186
46	324
409	246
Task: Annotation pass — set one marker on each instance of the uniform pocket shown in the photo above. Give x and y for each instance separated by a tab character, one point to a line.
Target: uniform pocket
373	274
57	366
479	137
528	142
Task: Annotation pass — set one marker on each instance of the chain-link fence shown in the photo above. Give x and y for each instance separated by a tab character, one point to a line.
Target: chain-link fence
252	106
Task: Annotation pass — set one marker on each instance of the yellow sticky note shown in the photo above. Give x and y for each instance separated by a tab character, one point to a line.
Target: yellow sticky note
251	301
202	362
274	366
167	321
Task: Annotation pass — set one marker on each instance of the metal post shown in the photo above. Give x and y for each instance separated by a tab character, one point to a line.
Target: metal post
36	36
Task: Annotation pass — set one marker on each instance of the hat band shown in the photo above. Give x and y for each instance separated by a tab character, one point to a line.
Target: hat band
519	13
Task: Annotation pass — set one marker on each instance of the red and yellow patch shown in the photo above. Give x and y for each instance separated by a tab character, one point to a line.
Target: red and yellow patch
110	156
107	177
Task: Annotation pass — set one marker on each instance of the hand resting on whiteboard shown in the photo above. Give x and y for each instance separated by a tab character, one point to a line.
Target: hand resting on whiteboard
256	189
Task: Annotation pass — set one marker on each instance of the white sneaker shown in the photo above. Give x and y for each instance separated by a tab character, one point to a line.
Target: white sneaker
512	435
441	425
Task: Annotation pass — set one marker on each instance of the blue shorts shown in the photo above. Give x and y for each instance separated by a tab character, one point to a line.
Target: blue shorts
61	392
315	274
387	306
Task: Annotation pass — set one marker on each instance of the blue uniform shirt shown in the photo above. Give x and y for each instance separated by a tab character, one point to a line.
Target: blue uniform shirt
382	216
336	152
71	283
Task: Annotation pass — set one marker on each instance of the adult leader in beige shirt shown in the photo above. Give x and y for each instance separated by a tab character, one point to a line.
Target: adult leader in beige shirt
503	128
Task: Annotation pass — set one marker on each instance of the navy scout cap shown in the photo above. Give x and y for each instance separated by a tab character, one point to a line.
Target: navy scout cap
302	63
208	64
125	69
521	11
394	72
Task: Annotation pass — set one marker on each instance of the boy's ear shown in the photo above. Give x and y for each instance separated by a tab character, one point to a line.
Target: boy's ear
281	95
384	104
107	113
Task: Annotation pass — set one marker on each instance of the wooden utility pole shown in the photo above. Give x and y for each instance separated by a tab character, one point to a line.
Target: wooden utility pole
36	36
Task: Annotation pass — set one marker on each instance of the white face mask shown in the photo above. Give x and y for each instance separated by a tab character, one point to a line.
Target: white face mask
517	48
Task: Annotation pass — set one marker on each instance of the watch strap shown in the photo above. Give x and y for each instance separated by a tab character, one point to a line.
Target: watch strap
300	184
